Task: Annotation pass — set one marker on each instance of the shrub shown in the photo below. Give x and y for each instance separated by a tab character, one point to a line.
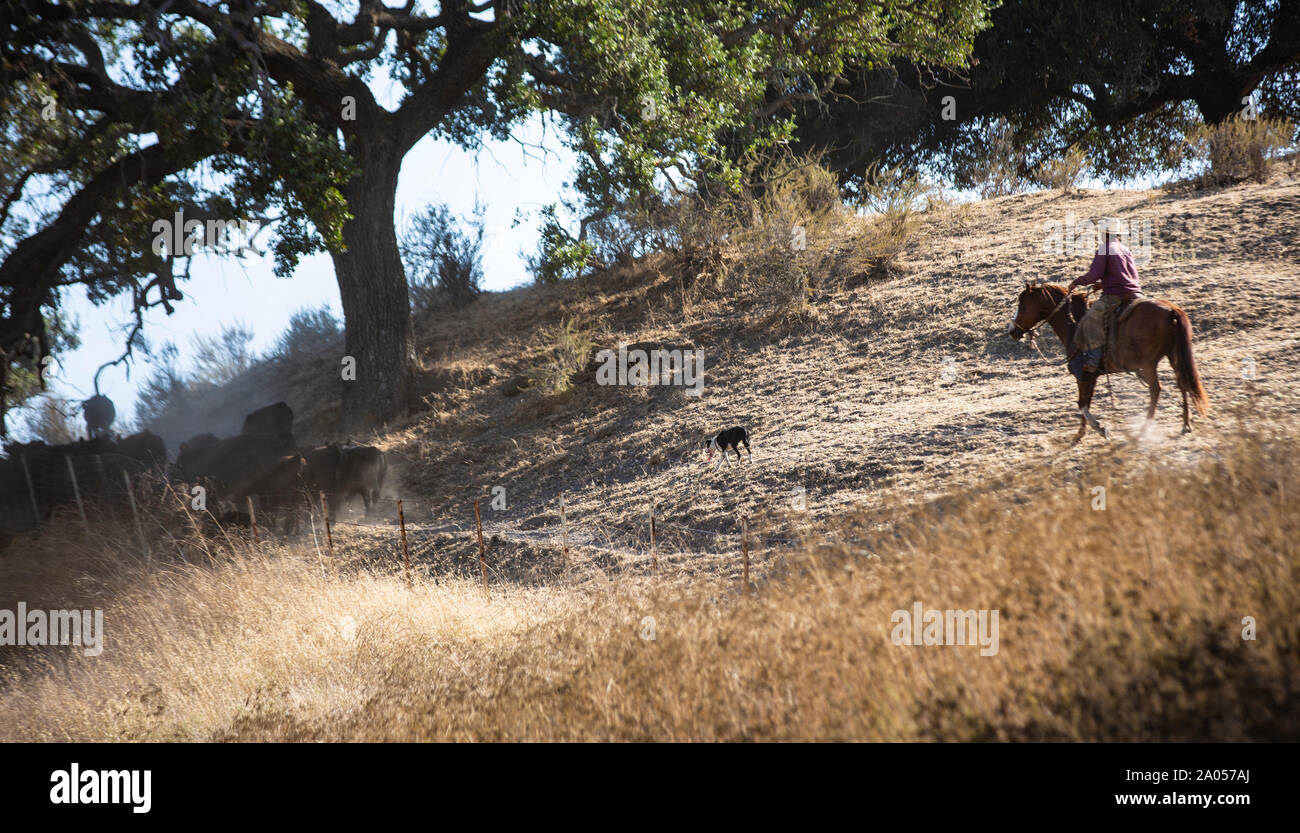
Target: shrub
569	350
999	170
765	239
1238	149
896	199
560	255
1062	174
222	358
310	331
55	419
443	262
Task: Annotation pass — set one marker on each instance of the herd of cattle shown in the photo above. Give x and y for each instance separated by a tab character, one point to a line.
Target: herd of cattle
262	462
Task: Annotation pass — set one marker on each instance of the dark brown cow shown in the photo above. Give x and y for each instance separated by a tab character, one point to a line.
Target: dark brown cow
322	471
145	446
230	465
362	469
345	472
280	490
273	419
37	478
193	448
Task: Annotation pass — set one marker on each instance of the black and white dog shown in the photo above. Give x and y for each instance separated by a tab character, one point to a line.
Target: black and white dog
731	438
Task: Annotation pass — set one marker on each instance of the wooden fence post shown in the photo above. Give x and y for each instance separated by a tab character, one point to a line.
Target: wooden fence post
564	535
252	519
744	545
139	530
329	534
482	554
654	558
76	492
31	490
406	553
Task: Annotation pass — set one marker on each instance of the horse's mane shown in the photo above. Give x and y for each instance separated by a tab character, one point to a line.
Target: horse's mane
1056	292
1058	288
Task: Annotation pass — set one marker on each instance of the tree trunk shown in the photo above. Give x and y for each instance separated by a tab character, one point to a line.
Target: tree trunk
372	286
1220	96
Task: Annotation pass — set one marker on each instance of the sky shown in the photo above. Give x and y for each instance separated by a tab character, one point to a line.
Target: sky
512	180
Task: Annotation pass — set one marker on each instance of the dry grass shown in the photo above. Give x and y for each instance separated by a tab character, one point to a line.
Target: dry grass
569	353
1121	624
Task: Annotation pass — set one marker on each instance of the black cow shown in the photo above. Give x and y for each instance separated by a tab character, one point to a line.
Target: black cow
37	478
100	414
232	464
345	472
322	471
362	469
145	446
280	490
273	419
193	448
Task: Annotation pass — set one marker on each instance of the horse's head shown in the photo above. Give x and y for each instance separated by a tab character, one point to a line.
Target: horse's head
1036	302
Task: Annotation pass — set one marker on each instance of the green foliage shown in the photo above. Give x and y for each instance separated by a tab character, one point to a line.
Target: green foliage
1121	81
676	90
560	255
24	380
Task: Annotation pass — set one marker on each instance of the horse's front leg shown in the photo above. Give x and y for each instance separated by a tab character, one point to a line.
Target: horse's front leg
1086	388
1085	396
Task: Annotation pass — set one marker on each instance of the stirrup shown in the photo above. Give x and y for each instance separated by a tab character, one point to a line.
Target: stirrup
1075	366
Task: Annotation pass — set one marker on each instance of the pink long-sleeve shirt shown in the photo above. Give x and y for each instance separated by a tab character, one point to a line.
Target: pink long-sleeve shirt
1113	265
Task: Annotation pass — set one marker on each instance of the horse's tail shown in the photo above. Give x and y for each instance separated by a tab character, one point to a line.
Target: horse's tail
1189	380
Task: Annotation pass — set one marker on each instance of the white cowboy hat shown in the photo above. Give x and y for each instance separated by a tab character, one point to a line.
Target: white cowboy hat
1113	226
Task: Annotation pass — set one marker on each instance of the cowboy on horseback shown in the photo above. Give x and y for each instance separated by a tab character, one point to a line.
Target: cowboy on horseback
1153	330
1114	267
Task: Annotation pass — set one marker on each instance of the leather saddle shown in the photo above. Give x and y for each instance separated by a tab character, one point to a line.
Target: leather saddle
1114	320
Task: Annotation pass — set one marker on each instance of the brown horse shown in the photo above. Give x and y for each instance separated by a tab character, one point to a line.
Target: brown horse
1150	331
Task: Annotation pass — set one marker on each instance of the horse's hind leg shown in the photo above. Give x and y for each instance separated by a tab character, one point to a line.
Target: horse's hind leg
1187	417
1151	376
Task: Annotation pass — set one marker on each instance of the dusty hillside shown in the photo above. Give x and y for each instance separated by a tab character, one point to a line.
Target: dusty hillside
851	403
952	488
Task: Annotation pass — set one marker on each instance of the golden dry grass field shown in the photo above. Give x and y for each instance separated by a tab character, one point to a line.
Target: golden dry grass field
905	450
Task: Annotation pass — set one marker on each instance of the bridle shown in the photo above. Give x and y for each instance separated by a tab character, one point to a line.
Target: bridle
1030	332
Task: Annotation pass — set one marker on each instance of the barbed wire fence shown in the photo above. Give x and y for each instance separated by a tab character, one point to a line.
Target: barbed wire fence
624	544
